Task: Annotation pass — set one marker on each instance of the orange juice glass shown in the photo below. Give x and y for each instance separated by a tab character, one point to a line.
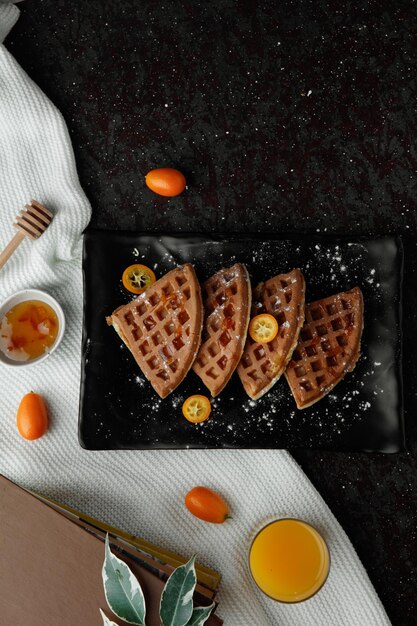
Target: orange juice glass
289	560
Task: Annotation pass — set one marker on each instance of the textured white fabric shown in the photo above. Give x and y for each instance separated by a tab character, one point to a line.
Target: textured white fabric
141	492
8	17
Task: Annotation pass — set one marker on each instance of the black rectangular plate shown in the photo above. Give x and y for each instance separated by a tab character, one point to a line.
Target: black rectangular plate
119	409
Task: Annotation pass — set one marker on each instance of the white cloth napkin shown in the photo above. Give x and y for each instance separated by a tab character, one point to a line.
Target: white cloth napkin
141	492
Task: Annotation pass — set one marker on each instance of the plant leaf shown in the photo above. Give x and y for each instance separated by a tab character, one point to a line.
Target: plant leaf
106	620
123	591
177	596
200	615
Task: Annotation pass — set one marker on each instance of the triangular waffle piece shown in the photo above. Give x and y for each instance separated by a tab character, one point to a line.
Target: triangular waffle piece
262	364
162	328
226	299
328	348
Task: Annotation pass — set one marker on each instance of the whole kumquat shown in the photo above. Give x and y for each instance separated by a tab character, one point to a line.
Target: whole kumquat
166	181
207	505
32	417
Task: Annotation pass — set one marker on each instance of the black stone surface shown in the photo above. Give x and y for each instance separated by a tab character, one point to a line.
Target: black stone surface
285	117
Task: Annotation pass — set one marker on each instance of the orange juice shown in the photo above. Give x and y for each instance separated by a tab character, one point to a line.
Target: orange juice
289	560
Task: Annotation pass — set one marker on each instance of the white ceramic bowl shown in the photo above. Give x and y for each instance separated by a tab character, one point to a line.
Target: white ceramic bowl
33	294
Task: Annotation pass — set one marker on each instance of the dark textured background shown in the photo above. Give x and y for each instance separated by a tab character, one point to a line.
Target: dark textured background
285	117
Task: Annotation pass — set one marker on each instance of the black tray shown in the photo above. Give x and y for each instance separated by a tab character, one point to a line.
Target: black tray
119	409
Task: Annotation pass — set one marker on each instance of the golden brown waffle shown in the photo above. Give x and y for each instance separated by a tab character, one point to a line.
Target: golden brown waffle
162	328
226	298
328	347
262	364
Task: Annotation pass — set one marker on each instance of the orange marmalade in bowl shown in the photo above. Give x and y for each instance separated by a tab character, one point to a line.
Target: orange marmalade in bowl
28	330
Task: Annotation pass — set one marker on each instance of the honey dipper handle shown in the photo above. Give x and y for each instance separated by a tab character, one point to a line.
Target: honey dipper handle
11	247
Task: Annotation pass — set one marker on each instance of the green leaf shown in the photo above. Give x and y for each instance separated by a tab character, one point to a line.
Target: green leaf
200	615
106	620
177	597
123	591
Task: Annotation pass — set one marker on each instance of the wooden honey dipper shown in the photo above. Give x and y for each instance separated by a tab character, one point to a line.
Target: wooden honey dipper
31	222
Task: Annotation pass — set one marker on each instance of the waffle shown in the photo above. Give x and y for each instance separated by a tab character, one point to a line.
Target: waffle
227	297
262	364
328	348
162	328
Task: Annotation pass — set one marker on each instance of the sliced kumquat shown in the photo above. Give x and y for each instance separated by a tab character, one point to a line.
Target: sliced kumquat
196	409
263	328
137	278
